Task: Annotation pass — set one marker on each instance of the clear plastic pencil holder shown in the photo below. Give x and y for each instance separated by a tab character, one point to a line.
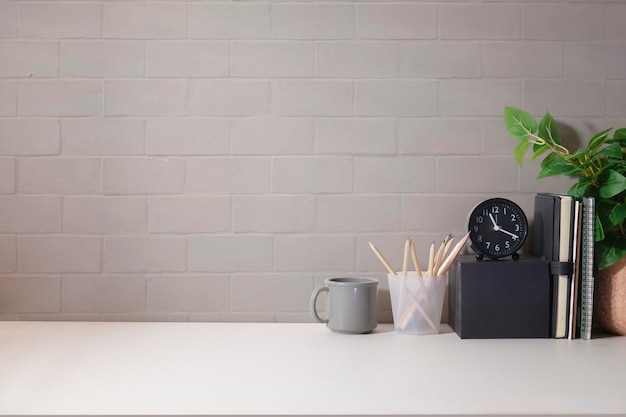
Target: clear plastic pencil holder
417	302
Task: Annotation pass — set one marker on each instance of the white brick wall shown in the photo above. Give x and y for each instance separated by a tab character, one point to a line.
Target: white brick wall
189	214
231	253
315	253
312	21
358	213
102	293
102	136
354	59
615	30
272	59
478	98
59	176
144	254
144	21
8	250
521	59
29	59
616	98
439	136
104	215
30	214
272	136
180	59
355	136
8	98
402	174
480	21
431	59
396	21
228	21
28	136
187	293
565	22
44	254
274	214
228	175
313	98
7	175
149	97
187	136
312	175
8	20
59	20
585	60
59	98
174	160
396	98
102	58
229	98
143	176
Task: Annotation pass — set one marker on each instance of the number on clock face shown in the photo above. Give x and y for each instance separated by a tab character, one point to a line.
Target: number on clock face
498	228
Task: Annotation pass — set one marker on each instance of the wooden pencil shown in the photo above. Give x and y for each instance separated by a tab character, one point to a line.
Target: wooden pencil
439	256
431	260
416	261
448	242
382	259
452	256
405	259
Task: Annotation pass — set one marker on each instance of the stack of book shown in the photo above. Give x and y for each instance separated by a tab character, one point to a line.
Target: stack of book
564	235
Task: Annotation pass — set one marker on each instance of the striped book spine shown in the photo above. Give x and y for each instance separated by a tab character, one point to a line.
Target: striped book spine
586	316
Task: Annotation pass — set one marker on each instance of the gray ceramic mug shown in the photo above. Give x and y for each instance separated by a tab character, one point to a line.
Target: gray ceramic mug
351	306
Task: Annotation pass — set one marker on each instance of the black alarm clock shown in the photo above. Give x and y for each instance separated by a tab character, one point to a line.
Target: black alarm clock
498	228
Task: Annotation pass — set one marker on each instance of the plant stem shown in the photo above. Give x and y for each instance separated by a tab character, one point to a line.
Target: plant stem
559	149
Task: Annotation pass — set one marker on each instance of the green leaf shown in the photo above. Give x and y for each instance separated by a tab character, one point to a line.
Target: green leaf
598	139
620	134
613	183
538	150
519	123
548	159
610	250
612	212
555	166
598	230
614	150
584	165
601	172
520	151
548	129
579	159
580	189
579	154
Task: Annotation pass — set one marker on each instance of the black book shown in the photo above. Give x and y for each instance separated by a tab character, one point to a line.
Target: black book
553	242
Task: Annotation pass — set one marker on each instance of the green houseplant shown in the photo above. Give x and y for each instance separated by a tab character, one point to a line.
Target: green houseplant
600	168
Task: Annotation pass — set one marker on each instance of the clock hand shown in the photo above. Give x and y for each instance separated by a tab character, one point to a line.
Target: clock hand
498	228
495	226
514	236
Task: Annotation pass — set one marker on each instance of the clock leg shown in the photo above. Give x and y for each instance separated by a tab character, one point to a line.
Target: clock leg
479	256
515	256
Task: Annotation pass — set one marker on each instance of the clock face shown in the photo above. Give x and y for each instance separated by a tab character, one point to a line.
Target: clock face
498	228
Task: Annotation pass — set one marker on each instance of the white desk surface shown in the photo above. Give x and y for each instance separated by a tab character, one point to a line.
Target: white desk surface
63	368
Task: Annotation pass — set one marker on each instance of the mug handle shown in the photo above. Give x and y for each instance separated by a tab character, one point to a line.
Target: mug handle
313	302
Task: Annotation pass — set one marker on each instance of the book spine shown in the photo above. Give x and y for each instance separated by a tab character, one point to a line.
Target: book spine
586	316
564	247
